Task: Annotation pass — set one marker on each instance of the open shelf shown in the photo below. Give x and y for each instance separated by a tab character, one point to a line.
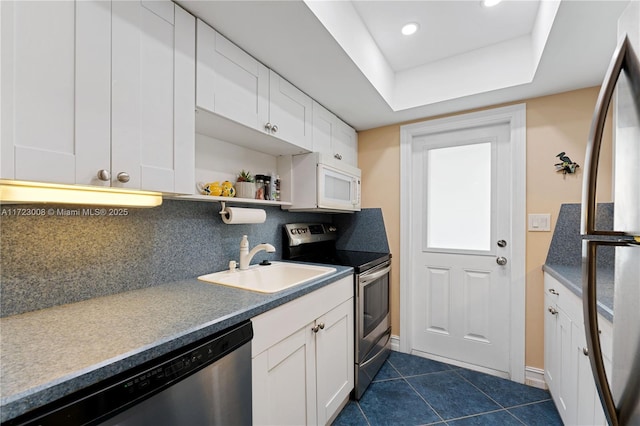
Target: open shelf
230	200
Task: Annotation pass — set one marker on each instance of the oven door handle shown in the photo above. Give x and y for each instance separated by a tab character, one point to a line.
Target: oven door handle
367	278
376	356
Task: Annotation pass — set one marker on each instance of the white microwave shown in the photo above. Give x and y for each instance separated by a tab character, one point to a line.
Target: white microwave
320	183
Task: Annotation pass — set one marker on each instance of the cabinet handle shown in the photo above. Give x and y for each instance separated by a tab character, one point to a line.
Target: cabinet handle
268	127
553	291
123	177
318	327
553	310
585	351
104	175
337	157
274	129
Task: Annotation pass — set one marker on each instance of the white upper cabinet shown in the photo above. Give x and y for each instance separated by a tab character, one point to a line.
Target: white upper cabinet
153	85
237	89
290	113
334	137
99	93
229	81
38	81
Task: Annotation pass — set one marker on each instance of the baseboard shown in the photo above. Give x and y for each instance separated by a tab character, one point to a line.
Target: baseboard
395	343
535	377
532	376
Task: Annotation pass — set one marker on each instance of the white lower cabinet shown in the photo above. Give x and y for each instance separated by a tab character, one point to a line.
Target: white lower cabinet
302	358
567	367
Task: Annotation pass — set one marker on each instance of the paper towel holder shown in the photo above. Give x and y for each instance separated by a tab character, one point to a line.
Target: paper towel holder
223	205
231	215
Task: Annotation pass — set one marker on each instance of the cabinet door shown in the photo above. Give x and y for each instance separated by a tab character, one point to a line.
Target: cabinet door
323	129
565	352
551	358
38	86
291	111
143	90
588	407
229	81
334	360
284	386
345	143
93	91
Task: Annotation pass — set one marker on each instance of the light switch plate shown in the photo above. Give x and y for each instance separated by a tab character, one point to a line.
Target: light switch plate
540	222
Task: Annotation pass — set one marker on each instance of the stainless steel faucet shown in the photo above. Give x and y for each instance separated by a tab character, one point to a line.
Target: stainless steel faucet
246	255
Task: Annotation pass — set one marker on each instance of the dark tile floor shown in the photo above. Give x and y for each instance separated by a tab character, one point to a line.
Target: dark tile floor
410	390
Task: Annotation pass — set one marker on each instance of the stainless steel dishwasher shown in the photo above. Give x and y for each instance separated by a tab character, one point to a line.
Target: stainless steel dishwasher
205	383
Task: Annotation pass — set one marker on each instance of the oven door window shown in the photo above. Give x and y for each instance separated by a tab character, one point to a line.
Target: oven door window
376	303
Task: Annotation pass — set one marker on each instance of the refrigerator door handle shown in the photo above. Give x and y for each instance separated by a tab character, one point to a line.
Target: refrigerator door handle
590	308
624	58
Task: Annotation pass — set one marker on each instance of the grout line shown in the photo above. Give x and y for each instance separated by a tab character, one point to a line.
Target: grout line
480	390
425	401
363	414
455	370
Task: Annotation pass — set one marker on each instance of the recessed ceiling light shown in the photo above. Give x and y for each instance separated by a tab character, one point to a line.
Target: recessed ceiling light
490	3
410	28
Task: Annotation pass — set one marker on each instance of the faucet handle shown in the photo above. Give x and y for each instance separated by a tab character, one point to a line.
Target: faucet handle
232	265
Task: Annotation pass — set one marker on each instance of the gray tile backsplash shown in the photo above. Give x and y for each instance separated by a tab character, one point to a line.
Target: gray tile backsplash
56	259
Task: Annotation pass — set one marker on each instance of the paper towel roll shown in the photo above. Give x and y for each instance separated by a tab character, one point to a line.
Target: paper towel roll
237	215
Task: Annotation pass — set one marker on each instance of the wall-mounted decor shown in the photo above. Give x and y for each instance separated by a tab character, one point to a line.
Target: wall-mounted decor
566	165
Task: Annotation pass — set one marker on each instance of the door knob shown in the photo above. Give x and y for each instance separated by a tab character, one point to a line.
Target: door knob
501	261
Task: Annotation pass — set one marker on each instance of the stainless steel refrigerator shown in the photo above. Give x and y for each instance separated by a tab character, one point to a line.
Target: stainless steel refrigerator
618	388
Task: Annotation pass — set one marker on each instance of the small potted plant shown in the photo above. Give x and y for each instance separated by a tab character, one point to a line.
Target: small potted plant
245	185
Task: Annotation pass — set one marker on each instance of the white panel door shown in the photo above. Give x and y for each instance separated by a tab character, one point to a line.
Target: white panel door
143	116
323	129
38	86
93	91
229	81
334	359
284	381
345	143
291	111
551	355
588	407
461	214
566	385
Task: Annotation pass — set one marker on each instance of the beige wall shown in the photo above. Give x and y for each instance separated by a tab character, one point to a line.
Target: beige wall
554	123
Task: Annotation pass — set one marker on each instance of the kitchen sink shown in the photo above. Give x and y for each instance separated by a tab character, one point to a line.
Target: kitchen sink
269	278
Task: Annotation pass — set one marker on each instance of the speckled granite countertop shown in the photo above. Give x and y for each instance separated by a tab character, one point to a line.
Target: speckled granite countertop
564	260
50	353
571	277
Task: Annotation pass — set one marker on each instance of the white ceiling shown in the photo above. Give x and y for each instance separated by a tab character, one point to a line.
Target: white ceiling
349	57
447	28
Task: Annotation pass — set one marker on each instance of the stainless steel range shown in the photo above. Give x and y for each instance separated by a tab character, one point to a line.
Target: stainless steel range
315	242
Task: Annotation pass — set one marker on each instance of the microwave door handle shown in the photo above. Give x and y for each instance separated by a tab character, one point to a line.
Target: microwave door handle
354	191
